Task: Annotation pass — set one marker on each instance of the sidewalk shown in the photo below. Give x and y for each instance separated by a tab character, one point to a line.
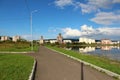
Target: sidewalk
54	66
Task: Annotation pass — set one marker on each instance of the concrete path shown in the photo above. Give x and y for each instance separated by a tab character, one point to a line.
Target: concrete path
54	66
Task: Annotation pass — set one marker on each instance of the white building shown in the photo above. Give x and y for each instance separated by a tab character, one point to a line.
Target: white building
67	41
53	41
41	40
86	40
15	38
4	38
106	41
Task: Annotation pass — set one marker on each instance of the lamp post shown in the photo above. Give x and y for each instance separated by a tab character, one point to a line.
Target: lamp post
31	28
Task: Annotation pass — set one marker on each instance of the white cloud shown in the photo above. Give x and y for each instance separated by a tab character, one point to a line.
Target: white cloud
89	31
62	3
106	18
87	8
69	32
97	5
109	31
94	5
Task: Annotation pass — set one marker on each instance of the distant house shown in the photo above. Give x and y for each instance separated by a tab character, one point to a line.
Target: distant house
106	41
98	41
4	38
15	38
115	42
67	41
41	40
75	40
86	40
53	41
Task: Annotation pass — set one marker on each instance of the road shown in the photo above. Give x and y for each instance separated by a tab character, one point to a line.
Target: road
54	66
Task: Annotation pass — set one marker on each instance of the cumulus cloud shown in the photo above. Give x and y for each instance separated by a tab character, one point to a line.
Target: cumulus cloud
94	5
89	31
62	3
69	32
106	18
89	6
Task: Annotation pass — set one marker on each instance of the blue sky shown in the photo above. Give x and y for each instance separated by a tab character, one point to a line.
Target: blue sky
73	18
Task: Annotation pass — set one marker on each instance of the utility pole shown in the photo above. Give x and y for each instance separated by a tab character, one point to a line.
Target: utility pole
31	28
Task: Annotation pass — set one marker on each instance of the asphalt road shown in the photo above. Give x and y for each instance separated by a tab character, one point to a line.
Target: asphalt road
54	66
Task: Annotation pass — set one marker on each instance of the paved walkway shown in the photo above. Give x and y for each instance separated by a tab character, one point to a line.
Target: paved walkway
54	66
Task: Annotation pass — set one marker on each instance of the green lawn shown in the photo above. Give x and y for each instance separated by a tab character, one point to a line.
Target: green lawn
17	47
105	63
15	66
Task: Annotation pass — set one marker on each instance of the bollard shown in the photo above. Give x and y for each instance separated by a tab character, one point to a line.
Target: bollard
82	72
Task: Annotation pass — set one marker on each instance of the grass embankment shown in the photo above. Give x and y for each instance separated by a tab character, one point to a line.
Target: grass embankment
15	66
17	46
105	63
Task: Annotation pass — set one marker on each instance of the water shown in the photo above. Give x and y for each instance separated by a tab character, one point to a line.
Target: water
111	52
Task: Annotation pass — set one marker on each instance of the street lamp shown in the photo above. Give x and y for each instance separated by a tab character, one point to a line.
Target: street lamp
31	28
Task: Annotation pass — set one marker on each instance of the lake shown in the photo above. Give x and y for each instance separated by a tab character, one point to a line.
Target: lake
111	52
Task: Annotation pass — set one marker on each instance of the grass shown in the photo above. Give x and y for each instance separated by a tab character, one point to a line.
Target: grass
15	66
105	63
17	47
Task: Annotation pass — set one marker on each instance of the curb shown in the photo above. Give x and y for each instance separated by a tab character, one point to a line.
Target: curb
15	52
32	74
110	73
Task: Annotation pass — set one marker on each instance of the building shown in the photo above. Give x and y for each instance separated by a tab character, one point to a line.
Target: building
98	41
15	38
59	38
41	40
4	38
67	41
106	41
86	40
52	41
115	42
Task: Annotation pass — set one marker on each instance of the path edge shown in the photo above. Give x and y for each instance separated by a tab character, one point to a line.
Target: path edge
110	73
32	74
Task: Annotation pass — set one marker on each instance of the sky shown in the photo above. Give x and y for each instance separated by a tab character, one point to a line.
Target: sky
97	19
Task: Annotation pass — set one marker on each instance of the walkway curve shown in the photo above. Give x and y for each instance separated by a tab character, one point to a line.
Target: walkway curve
54	66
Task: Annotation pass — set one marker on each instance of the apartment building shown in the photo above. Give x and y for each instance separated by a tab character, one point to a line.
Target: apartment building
15	38
86	40
4	38
106	41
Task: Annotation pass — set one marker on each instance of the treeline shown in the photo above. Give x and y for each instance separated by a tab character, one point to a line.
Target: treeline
80	44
